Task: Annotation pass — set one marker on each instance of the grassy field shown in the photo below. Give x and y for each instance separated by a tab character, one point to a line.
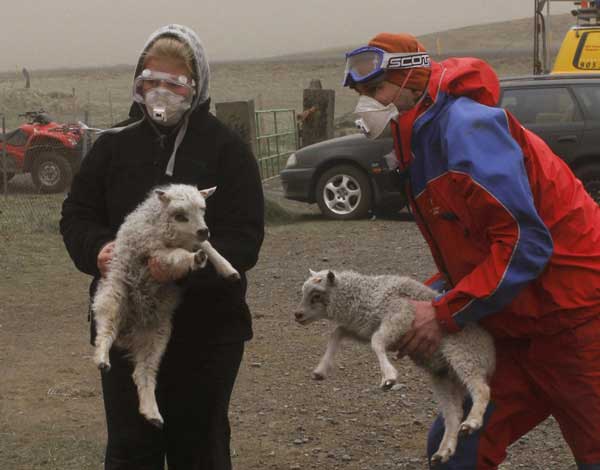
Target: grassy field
277	83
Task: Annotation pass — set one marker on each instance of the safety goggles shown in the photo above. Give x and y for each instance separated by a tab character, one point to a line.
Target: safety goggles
149	79
365	63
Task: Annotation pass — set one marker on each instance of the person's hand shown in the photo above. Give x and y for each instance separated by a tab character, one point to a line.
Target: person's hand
104	258
424	338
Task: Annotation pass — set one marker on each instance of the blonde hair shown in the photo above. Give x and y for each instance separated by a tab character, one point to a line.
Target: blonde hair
171	48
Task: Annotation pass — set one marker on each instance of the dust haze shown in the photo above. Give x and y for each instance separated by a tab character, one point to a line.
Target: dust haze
67	33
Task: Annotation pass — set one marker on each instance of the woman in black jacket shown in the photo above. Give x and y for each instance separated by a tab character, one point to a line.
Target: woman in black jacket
172	137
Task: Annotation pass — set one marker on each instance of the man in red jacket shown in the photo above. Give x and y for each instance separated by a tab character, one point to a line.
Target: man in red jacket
513	233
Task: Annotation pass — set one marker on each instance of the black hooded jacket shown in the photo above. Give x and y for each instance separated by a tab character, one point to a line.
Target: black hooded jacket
119	172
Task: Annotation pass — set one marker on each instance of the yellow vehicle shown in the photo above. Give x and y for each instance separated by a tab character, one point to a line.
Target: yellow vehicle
579	52
580	49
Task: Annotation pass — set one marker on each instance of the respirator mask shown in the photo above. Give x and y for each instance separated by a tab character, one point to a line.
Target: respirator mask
166	97
375	118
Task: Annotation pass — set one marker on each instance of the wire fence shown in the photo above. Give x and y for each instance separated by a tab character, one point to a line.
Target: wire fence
40	155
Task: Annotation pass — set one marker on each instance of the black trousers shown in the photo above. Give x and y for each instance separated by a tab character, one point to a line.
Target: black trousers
193	391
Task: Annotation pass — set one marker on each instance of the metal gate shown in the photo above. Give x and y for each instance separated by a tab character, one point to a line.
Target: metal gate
276	140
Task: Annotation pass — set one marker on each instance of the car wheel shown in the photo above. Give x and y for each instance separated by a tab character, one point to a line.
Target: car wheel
590	177
344	192
9	176
51	172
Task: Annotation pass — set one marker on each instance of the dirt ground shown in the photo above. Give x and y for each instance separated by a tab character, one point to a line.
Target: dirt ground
51	414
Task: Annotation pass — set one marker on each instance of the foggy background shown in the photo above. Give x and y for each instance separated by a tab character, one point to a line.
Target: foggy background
68	33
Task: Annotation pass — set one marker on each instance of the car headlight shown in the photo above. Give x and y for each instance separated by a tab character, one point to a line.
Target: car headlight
291	161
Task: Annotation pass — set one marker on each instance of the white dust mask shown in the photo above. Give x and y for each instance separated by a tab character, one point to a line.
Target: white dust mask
166	107
374	117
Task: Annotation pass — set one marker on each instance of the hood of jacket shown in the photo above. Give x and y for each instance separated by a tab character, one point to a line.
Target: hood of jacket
454	77
469	77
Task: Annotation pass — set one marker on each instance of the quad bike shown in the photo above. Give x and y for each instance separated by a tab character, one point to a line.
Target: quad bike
50	151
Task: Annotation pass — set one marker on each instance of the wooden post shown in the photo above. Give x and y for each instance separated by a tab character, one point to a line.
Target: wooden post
27	78
239	116
316	120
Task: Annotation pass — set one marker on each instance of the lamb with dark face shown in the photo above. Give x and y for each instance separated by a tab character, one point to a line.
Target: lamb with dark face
377	309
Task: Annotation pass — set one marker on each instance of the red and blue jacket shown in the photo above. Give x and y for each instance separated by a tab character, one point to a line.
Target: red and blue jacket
515	236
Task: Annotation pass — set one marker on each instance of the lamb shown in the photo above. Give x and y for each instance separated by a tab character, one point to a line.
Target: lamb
378	309
132	309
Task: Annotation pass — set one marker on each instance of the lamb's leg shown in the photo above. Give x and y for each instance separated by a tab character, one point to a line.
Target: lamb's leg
326	362
471	371
480	394
450	397
178	262
222	266
380	341
107	304
147	355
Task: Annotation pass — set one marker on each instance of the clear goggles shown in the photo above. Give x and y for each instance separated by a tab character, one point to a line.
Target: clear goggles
366	63
149	79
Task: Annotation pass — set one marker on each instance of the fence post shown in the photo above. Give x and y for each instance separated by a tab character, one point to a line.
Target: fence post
318	114
4	173
86	135
239	116
110	107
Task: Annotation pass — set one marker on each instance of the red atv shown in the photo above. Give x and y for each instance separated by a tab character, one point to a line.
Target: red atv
50	151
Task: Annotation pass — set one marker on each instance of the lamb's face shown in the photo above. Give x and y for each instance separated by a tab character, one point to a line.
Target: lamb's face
315	297
184	208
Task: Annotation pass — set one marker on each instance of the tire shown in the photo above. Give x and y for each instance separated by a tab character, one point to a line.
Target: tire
590	177
9	176
51	172
344	192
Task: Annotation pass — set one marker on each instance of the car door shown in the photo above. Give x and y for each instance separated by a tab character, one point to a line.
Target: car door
552	112
589	97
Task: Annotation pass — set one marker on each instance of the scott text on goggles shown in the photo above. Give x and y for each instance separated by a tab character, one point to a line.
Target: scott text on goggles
409	61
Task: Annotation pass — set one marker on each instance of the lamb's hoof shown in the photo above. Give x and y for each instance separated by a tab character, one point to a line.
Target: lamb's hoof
441	456
468	427
157	423
388	384
318	376
104	367
200	259
233	277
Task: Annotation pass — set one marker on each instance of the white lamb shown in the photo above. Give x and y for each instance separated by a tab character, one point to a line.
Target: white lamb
131	309
377	309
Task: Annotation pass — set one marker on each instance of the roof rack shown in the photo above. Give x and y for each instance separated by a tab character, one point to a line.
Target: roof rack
588	12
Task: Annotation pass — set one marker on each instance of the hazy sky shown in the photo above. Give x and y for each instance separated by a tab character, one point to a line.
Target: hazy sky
59	33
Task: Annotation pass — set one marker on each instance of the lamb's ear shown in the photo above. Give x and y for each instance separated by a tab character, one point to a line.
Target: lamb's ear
207	192
312	273
330	278
162	196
